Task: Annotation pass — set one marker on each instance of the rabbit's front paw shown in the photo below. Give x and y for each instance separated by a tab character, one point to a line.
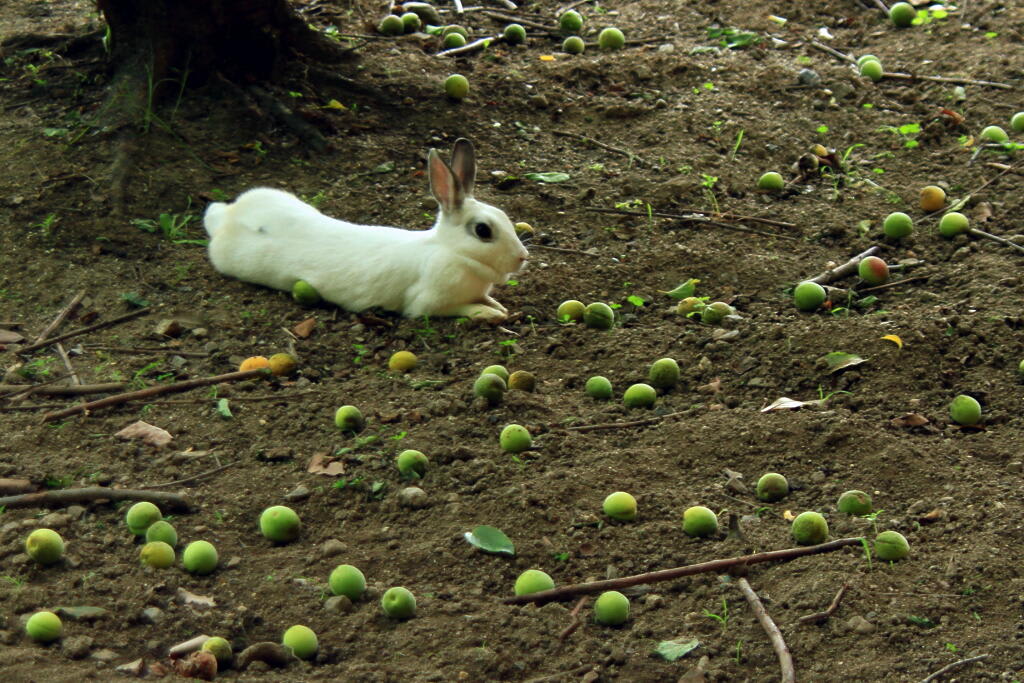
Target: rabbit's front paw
494	303
481	312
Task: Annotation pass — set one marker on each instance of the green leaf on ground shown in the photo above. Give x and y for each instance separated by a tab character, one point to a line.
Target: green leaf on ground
671	650
547	177
490	539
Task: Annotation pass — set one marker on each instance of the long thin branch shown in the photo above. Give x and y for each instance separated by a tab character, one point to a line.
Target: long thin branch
717	566
702	212
894	283
62	316
64	390
774	635
819	617
847	268
597	143
950	667
476	45
692	219
185	385
84	330
945	79
189	480
60	497
995	238
622	425
835	53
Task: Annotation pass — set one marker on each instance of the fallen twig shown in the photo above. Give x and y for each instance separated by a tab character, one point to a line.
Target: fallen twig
187	647
242	399
84	330
561	249
995	238
688	210
145	349
511	18
31	387
574	673
597	143
189	480
622	425
831	51
894	283
62	390
185	385
785	659
950	667
819	617
75	380
62	316
691	219
945	79
847	268
576	621
478	44
60	497
717	566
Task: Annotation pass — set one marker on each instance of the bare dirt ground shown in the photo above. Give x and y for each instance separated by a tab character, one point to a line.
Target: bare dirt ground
704	121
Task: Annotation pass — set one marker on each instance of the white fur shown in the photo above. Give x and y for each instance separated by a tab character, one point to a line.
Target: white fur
272	238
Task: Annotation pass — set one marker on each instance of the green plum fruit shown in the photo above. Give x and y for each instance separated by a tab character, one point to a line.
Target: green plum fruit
199	557
599	316
280	523
953	224
891	546
573	45
664	373
772	487
873	270
611	38
398	603
412	463
570	22
771	181
854	503
611	608
902	14
45	546
515	438
808	296
44	627
302	641
809	528
349	419
219	648
140	516
965	410
621	506
157	554
897	225
533	581
598	387
162	531
348	581
570	309
699	521
514	34
640	396
491	387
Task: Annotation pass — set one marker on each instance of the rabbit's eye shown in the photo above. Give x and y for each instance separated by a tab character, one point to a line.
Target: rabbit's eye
483	231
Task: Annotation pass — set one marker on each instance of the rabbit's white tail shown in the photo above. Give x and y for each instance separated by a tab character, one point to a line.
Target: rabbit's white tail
214	217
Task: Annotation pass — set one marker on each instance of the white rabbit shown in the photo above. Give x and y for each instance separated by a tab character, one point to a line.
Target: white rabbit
272	238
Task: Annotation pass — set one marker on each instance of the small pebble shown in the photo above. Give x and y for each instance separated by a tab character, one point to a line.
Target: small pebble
338	604
413	497
105	656
151	615
859	624
332	547
809	77
55	520
76	647
300	492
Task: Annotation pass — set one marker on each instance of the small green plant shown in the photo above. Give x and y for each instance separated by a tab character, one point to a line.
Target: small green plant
873	518
732	38
723	618
952	648
560	557
867	551
36	369
45	226
736	145
907	132
708	183
361	351
173	226
739	651
13	580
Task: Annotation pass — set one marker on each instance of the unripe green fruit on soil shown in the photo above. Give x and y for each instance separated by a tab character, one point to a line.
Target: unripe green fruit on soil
455	28
598	387
640	396
402	361
1017	122
515	438
456	86
714	312
994	134
599	316
611	38
391	25
621	506
897	225
349	419
574	45
490	387
348	581
302	640
305	294
891	546
664	373
498	370
690	305
398	603
515	34
571	308
219	648
199	557
533	581
157	554
611	608
140	516
44	627
771	181
953	223
809	528
873	270
902	14
280	523
282	364
162	531
854	503
866	58
772	487
570	22
521	380
45	546
872	69
699	521
965	410
808	296
1020	368
453	40
411	22
933	198
411	463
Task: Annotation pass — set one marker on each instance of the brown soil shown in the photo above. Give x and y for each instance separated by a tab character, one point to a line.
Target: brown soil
953	492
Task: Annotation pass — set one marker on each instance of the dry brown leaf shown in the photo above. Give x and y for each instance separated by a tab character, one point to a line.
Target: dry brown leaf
201	665
192	600
933	516
712	387
147	433
305	328
321	463
10	337
983	213
909	420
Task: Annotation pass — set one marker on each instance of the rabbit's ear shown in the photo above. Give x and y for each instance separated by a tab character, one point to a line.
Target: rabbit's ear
445	187
464	164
